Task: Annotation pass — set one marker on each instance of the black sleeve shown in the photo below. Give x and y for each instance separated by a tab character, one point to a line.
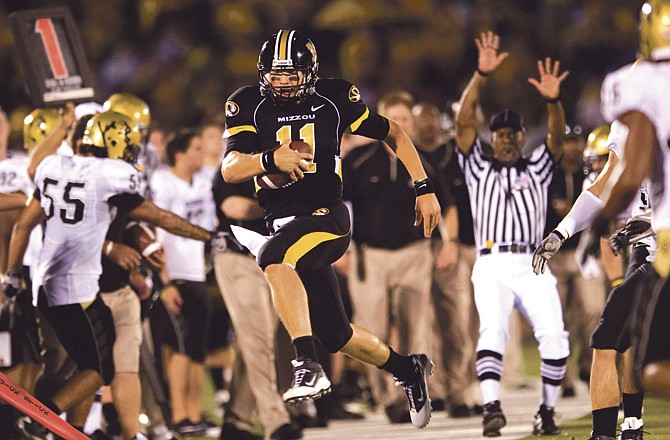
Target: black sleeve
241	133
126	201
375	126
244	142
356	116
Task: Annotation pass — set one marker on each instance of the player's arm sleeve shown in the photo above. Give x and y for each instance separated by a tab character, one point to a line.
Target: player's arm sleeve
371	124
356	116
240	132
126	201
584	210
122	185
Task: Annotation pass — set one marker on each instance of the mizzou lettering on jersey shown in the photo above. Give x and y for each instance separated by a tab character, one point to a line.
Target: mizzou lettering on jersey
295	118
320	120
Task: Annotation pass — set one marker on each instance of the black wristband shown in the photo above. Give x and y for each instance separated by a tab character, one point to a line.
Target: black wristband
560	235
424	186
481	73
268	161
554	100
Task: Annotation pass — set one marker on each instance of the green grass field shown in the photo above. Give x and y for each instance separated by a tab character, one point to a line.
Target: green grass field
656	409
656	422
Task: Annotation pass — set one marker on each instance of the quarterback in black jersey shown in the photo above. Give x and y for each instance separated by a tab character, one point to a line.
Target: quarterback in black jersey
308	220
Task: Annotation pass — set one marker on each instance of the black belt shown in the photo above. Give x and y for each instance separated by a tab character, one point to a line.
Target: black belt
513	248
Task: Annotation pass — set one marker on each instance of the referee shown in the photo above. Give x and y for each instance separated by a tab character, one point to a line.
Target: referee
508	196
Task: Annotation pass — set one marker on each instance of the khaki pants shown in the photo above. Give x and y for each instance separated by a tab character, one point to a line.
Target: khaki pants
457	325
126	312
583	300
396	290
249	301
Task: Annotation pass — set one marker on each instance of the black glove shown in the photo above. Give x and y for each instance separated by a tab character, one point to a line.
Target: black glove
10	283
619	242
547	248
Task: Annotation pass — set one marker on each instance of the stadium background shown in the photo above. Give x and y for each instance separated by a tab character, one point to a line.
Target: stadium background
186	56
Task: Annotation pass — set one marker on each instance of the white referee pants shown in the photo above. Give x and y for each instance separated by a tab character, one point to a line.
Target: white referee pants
503	281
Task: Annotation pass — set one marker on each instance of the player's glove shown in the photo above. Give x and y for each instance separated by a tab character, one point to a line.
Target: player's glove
637	228
10	283
547	248
618	242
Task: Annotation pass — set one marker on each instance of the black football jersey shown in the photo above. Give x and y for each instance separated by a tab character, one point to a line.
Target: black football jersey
255	124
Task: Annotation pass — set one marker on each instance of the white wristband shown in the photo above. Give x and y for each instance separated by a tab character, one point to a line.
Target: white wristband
581	215
109	247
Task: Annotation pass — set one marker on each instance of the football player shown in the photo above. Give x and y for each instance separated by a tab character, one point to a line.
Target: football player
636	96
611	336
73	197
308	220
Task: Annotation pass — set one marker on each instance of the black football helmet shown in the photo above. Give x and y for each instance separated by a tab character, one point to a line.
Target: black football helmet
288	50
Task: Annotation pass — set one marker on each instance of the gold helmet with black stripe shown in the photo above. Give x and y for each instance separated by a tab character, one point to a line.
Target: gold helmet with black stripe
38	124
112	134
290	51
654	28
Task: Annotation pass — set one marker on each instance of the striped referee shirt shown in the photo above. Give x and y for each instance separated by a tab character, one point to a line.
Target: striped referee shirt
509	205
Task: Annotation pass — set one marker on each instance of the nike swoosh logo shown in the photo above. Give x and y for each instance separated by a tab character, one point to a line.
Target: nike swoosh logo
316	108
311	382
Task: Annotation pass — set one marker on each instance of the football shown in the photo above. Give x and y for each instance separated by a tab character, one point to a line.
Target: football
143	238
281	180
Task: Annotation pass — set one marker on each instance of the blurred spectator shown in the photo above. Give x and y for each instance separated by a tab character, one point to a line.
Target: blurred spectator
196	52
391	266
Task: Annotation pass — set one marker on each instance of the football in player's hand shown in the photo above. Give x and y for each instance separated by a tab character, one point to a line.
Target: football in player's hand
144	239
282	180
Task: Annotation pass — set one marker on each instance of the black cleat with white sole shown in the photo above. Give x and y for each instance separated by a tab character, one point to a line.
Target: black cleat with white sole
417	390
309	382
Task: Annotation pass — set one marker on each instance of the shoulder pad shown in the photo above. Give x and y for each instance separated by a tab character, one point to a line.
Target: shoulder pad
243	98
338	88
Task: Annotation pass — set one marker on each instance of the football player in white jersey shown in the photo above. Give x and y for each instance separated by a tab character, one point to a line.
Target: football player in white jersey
75	196
612	334
637	95
647	118
187	192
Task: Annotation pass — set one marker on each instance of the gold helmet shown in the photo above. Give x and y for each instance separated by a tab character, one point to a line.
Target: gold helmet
38	124
132	106
655	30
597	140
596	150
114	135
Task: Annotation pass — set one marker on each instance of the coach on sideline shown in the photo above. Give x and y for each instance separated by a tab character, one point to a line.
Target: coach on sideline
508	196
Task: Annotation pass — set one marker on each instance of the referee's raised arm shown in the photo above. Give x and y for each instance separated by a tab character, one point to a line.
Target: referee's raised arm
549	87
466	117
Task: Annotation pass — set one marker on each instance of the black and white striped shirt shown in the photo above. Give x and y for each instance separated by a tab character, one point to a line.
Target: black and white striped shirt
509	205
